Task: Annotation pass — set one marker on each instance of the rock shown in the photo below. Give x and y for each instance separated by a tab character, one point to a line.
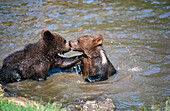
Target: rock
105	105
95	105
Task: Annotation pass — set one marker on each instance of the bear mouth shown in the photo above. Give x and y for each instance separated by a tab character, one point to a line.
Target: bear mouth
78	50
63	52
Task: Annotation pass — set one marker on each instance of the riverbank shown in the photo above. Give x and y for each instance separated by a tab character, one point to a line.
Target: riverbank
21	103
9	103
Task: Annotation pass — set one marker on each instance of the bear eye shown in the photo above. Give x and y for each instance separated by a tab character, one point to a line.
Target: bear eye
64	41
78	41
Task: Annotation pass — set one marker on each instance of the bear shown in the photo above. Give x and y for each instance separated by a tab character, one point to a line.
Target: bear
95	65
36	59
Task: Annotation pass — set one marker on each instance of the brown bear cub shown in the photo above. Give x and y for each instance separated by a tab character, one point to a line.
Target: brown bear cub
95	65
35	60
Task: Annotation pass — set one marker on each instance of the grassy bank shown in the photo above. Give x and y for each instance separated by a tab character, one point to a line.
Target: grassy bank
5	105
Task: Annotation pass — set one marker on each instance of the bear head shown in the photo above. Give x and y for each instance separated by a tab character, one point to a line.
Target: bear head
55	43
86	43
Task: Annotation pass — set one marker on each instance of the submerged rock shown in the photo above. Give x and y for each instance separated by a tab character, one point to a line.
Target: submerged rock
95	105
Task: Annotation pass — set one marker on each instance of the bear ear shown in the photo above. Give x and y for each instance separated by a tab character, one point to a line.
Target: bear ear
47	35
98	40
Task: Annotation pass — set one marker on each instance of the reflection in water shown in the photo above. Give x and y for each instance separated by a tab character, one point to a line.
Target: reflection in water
136	40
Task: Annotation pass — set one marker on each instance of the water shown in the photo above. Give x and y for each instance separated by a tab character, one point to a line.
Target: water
136	40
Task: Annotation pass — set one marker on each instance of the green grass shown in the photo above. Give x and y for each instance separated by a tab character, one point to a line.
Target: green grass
9	106
5	105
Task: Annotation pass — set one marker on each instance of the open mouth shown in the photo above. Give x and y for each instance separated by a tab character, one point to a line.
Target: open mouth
65	51
70	53
78	50
62	53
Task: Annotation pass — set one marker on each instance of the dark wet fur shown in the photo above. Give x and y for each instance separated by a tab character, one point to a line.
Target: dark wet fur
35	60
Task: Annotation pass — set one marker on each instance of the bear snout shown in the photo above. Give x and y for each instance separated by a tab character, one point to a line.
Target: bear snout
68	46
73	44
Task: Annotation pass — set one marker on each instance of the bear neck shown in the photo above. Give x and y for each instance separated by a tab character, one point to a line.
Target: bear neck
44	48
95	52
41	46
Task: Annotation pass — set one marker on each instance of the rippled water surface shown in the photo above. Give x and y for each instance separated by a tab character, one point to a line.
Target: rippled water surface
136	40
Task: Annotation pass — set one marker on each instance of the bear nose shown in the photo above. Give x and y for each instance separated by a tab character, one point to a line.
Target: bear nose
70	44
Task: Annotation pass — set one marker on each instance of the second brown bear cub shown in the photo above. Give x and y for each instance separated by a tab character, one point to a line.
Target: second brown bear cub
95	65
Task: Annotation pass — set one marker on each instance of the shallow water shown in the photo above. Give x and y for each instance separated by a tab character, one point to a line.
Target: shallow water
136	40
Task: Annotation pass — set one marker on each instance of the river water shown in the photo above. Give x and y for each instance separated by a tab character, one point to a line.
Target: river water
136	40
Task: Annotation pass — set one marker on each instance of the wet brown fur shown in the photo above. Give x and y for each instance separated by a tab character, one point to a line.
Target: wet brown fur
92	64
